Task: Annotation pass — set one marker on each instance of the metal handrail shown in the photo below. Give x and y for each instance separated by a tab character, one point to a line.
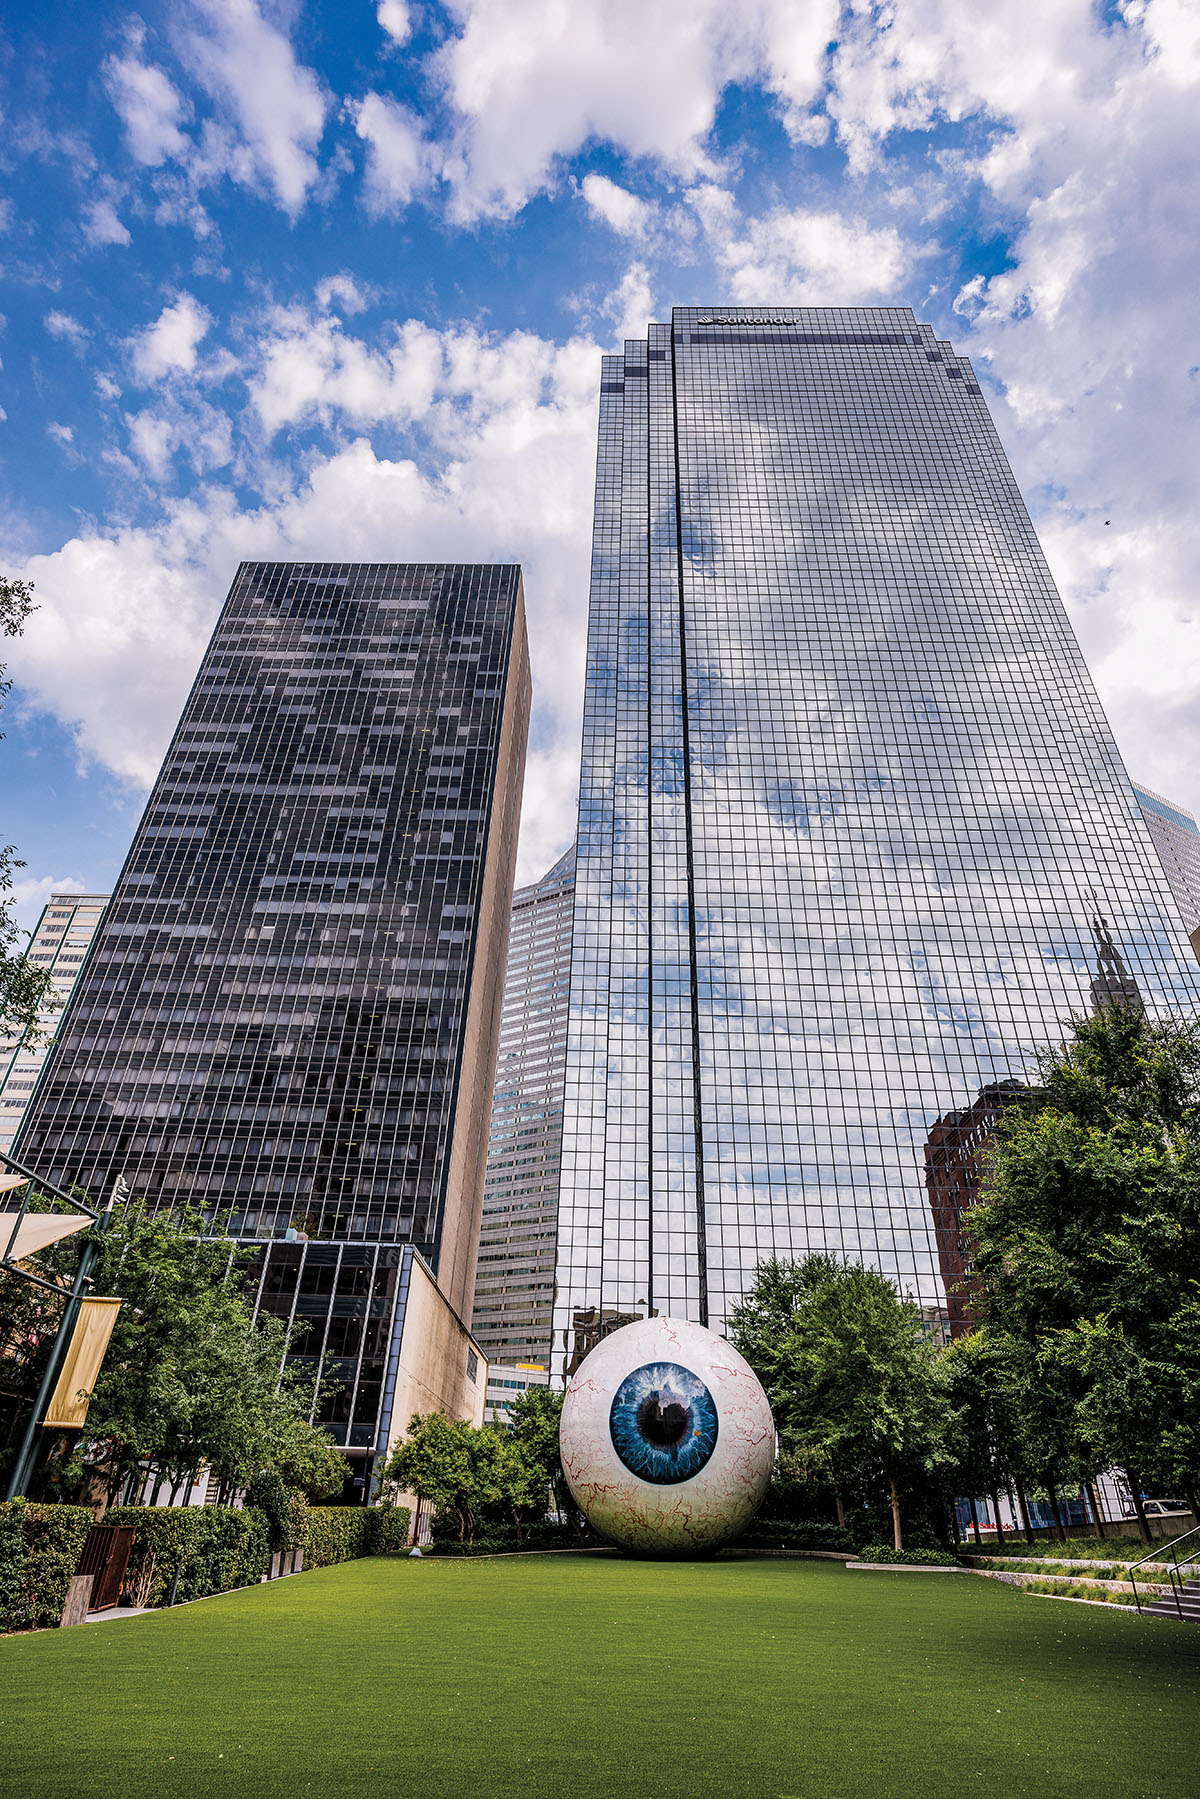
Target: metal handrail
1160	1555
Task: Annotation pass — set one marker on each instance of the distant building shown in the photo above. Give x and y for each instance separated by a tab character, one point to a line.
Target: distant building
291	1014
1176	836
506	1384
60	943
514	1287
954	1172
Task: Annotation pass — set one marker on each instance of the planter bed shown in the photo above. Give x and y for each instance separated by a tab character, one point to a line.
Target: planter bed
906	1568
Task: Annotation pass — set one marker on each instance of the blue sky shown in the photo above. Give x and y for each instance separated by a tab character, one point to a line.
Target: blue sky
334	280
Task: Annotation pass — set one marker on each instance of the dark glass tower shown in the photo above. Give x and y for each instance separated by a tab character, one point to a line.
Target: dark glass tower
849	809
290	1014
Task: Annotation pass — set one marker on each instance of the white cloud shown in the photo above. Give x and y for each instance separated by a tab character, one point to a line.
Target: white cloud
61	434
805	258
150	108
531	81
61	324
625	212
170	344
124	614
272	109
31	892
630	306
342	291
101	225
394	19
400	162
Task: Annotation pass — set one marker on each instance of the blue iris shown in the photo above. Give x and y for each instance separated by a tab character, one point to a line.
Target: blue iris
663	1423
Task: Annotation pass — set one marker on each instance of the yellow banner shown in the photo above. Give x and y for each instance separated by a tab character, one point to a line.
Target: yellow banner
89	1340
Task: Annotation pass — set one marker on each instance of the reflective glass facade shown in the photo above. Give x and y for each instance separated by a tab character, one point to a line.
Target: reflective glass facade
854	835
291	1011
514	1290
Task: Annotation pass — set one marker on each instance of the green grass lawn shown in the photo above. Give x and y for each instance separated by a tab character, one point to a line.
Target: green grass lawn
596	1678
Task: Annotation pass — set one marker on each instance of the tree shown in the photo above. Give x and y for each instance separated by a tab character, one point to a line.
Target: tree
1085	1246
851	1373
26	992
465	1471
534	1417
189	1376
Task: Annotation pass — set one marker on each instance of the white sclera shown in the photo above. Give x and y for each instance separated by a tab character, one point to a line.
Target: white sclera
722	1497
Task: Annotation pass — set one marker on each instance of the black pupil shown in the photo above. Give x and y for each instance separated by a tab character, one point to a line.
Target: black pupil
662	1424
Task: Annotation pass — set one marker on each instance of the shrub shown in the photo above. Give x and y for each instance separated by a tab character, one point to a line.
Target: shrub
390	1525
907	1558
214	1549
40	1546
337	1533
797	1535
268	1493
296	1528
537	1537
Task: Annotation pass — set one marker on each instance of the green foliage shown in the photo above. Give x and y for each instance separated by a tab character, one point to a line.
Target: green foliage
904	1558
390	1528
797	1534
190	1376
338	1533
853	1379
472	1475
535	1539
268	1493
307	1458
40	1546
1086	1255
295	1525
26	992
216	1549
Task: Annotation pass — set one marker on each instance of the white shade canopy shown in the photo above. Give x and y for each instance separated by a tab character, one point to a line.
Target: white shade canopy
36	1231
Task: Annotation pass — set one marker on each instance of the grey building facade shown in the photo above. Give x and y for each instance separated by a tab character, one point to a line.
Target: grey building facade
59	945
1176	836
850	810
290	1015
514	1288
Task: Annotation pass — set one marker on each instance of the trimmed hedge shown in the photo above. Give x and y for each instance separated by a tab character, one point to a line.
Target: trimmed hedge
40	1546
215	1550
798	1535
906	1558
342	1533
391	1525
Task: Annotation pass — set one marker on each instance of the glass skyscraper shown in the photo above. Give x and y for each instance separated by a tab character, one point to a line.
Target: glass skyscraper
854	835
290	1015
1176	836
514	1292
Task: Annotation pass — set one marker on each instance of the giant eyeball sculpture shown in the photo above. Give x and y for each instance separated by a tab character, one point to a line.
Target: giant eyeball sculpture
667	1438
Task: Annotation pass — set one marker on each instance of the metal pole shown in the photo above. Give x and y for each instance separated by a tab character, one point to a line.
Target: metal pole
87	1257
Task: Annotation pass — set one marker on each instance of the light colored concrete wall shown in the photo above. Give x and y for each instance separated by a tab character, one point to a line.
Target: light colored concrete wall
434	1347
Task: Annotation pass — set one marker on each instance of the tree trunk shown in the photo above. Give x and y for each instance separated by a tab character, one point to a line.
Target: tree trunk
841	1511
994	1496
897	1540
1094	1502
1052	1494
1135	1493
1193	1499
1024	1509
975	1524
